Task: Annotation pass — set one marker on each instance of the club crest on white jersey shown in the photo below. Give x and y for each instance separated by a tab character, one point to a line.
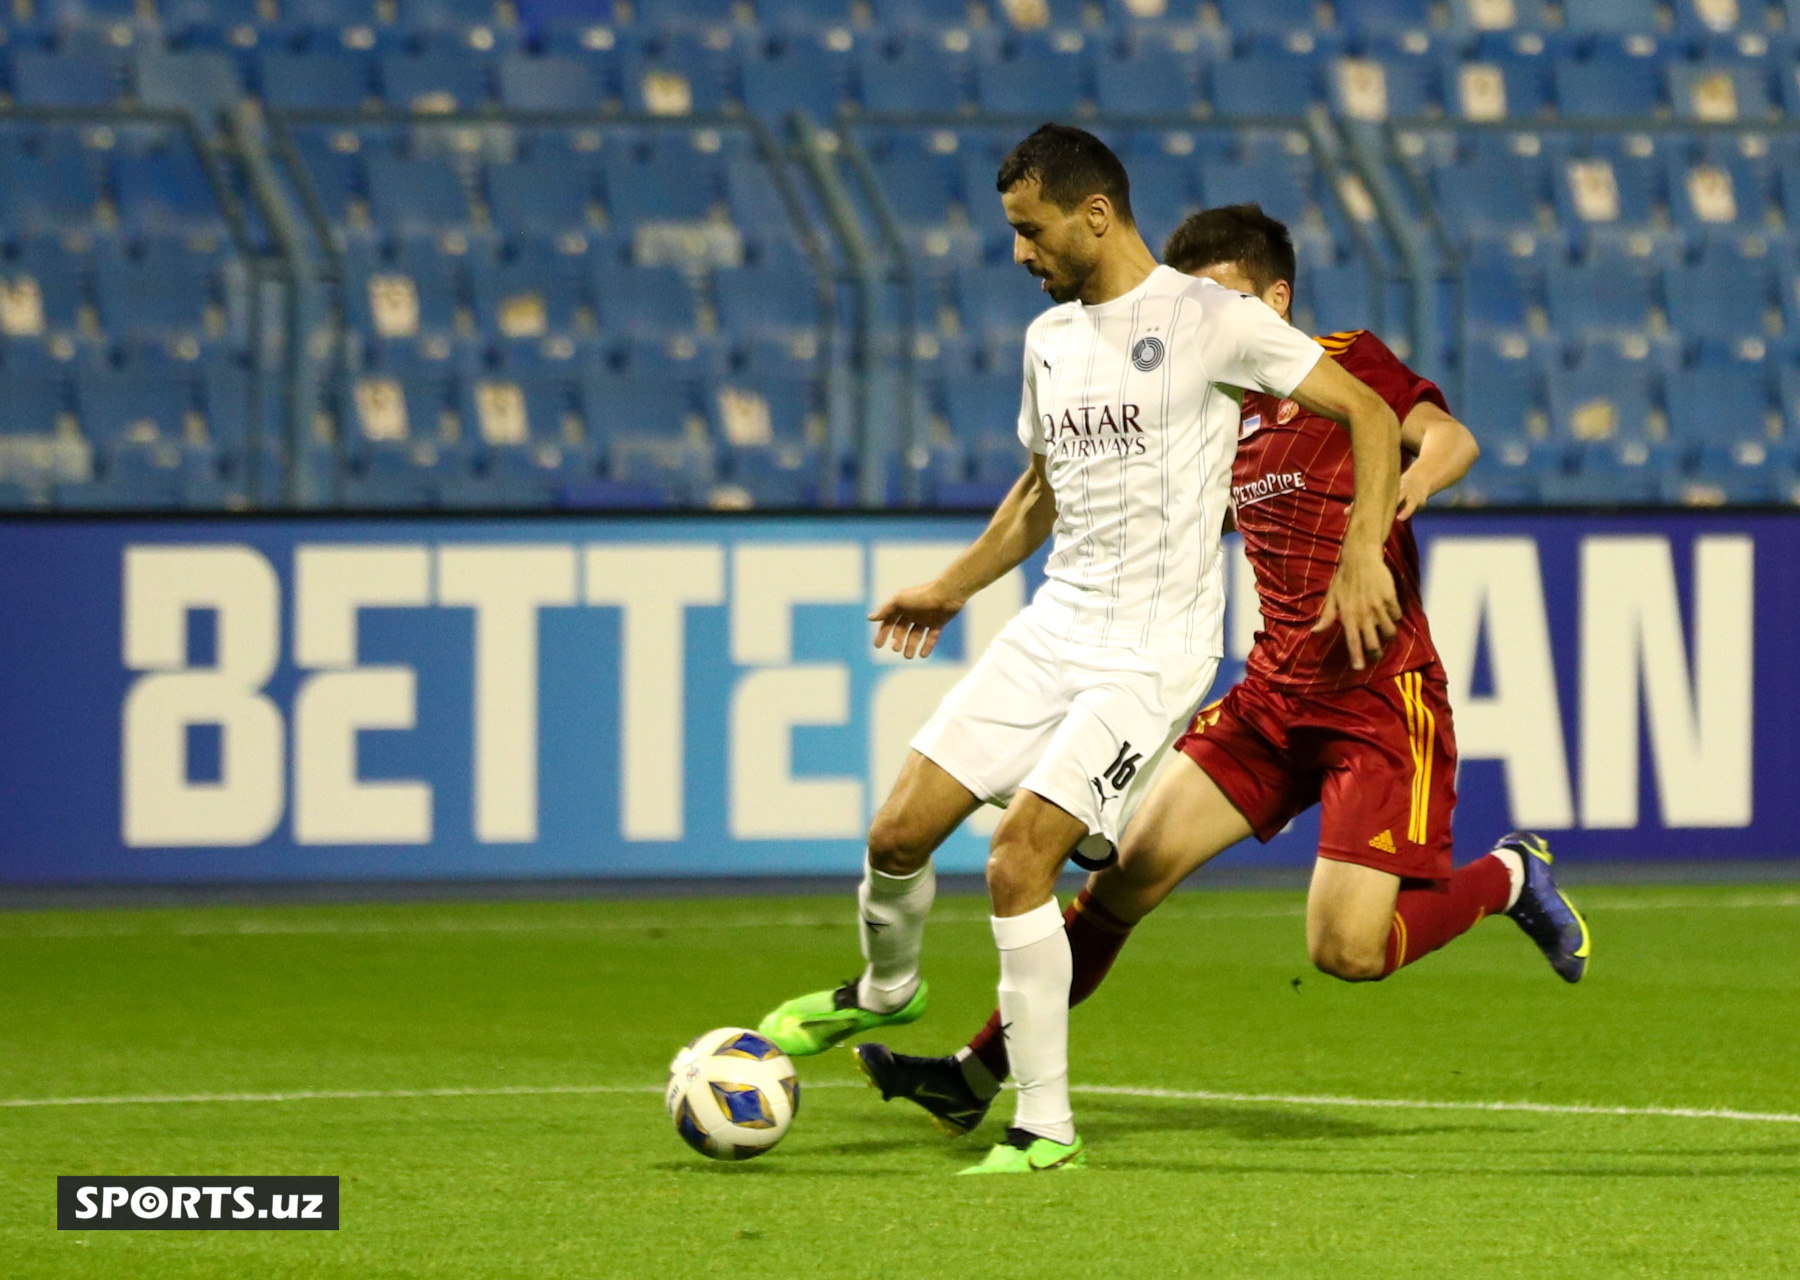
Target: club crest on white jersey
1134	405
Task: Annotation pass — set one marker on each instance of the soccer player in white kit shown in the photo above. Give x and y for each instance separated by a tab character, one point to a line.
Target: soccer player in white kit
1130	411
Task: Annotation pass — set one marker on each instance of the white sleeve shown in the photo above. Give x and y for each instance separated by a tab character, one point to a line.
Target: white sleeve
1031	426
1244	344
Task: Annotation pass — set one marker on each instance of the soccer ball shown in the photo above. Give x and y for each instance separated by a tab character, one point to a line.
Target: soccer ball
732	1094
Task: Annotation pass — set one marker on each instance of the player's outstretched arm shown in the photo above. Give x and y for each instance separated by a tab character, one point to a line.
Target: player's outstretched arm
911	622
1445	451
1361	595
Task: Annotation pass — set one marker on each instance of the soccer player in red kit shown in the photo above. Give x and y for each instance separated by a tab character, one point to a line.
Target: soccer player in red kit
1317	719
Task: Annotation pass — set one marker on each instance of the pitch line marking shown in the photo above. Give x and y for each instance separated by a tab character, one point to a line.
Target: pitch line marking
306	928
1095	1090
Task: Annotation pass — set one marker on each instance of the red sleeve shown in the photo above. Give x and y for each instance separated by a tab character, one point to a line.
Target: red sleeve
1368	358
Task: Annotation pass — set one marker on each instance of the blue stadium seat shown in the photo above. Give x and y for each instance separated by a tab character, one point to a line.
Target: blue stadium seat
1497	86
1598	191
162	290
920	186
1382	17
668	185
332	17
127	405
1606	88
1162	194
921	76
54	192
437	82
199	82
316	81
1264	86
1371	88
1613	472
45	288
1339	297
1724	478
510	413
410	291
1722	405
1499	290
35	402
770	300
1609	17
214	23
1149	79
922	16
1266	17
1274	184
755	202
687	15
802	74
553	82
42	79
1600	401
1042	77
539	197
1710	302
166	190
680	75
647	300
984	406
778	475
1489	198
1712	91
1701	20
423	15
1473	17
804	15
398	404
1502	390
999	301
416	197
1709	199
532	292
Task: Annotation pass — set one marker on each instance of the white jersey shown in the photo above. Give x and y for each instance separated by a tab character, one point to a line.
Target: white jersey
1134	404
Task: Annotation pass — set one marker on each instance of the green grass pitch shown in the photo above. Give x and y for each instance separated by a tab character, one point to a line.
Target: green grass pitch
1693	1002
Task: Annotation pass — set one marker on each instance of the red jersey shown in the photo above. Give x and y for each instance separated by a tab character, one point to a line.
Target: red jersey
1291	488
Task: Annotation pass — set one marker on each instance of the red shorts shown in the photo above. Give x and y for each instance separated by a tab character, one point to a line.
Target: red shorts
1379	759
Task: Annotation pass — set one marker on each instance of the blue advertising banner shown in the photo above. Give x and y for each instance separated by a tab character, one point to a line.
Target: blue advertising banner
400	698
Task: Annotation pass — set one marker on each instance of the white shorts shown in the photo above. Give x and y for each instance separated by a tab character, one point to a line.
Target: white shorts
1081	726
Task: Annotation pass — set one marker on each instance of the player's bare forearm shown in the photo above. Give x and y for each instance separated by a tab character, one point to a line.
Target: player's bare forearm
911	622
1445	450
1361	595
1024	518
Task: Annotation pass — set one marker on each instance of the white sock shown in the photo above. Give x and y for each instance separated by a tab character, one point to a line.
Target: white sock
891	913
1515	869
1035	971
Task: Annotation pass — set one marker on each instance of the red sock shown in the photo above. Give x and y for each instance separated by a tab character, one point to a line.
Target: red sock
1425	919
1095	937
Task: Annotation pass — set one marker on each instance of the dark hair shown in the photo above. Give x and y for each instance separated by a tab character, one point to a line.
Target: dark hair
1069	165
1241	234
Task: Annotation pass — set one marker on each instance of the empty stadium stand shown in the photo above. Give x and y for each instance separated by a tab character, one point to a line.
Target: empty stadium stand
747	253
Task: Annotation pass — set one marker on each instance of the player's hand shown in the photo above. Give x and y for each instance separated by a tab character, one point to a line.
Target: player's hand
1413	496
1362	597
912	621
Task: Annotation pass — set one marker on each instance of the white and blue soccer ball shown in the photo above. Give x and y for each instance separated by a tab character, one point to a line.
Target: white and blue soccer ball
732	1094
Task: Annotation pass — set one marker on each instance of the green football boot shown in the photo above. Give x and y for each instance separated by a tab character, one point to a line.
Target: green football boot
812	1023
1025	1152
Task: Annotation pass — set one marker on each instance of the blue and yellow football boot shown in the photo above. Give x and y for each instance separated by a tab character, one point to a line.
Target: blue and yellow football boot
937	1084
1544	911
